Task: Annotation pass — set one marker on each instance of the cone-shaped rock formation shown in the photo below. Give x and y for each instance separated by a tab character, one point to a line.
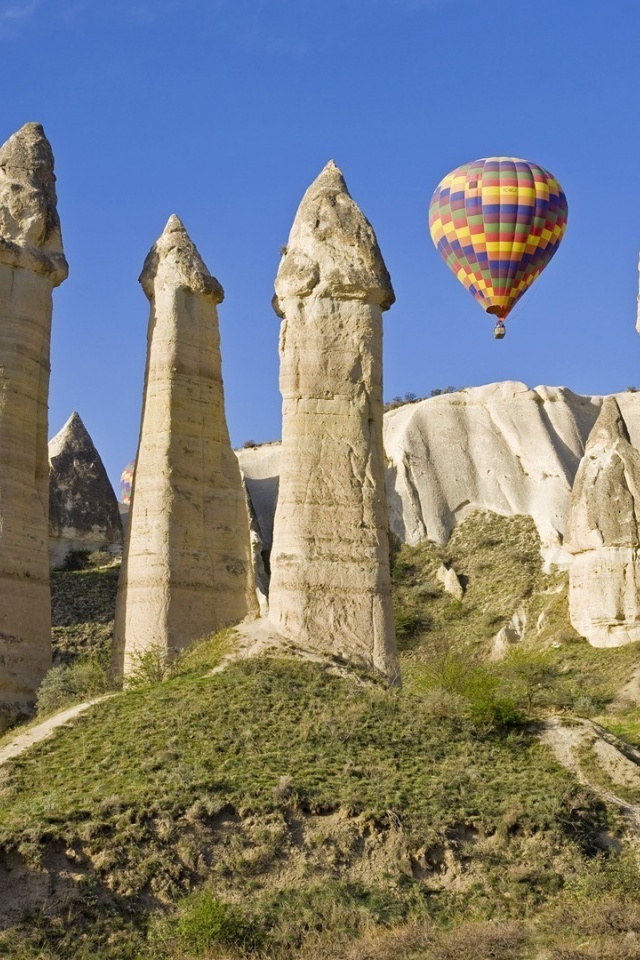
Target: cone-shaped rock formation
32	263
187	560
330	582
602	533
83	509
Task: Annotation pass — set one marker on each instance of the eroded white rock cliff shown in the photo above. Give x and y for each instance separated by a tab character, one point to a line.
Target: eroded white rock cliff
603	535
500	447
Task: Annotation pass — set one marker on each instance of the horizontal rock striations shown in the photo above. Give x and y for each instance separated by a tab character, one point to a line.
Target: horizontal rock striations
83	509
32	263
330	582
187	559
603	535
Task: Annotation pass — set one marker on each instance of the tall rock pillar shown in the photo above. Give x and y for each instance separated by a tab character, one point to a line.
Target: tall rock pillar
330	582
32	263
186	568
604	536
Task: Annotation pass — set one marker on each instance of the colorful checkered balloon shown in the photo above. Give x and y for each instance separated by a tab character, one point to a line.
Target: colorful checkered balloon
497	223
126	482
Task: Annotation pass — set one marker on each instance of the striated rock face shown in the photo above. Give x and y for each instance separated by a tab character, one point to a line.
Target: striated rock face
260	467
187	560
330	582
83	509
500	447
32	263
603	535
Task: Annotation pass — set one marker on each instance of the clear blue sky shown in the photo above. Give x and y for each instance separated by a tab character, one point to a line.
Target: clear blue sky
223	111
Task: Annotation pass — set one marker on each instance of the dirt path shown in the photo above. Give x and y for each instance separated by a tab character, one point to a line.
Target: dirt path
618	761
42	731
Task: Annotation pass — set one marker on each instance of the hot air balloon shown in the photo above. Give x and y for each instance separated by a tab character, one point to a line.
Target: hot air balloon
126	481
497	223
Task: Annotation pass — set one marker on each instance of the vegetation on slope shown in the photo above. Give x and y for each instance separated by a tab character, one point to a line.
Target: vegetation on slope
277	810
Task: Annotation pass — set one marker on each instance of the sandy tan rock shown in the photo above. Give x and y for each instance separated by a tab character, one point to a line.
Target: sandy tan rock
187	559
83	509
450	581
512	633
32	263
330	583
501	447
603	535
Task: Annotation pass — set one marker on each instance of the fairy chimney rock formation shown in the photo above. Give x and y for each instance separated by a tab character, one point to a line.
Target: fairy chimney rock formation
187	561
603	535
32	263
330	584
83	509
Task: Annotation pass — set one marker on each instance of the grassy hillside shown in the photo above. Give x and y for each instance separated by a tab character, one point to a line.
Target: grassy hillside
277	810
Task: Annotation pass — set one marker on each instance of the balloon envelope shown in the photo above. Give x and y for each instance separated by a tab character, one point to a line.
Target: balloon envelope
497	223
126	482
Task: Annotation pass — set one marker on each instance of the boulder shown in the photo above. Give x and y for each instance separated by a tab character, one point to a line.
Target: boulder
603	535
32	263
450	581
83	509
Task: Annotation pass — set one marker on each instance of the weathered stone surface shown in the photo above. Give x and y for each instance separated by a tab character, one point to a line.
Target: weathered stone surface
260	467
603	535
187	559
450	582
509	635
83	509
500	447
330	583
32	263
258	555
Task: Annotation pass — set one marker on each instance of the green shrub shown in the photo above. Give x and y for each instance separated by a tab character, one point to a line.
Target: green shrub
208	922
489	707
531	674
62	686
150	666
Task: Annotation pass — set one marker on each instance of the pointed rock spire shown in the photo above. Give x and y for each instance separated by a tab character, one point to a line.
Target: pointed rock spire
83	509
332	249
29	224
330	586
603	535
32	263
186	567
605	500
175	261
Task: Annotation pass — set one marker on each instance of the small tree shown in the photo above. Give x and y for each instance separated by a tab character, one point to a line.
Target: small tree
530	672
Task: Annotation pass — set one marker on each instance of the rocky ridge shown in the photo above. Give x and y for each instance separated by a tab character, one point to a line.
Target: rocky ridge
502	447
